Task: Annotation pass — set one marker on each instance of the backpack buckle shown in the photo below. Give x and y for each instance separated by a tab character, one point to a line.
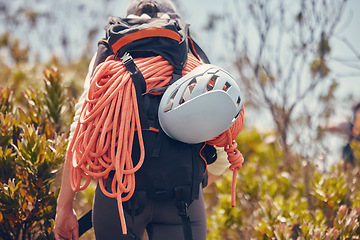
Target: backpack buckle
183	209
126	59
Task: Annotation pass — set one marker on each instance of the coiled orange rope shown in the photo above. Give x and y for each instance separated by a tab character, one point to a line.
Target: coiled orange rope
104	135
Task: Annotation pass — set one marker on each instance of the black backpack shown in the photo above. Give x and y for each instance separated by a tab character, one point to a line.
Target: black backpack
171	169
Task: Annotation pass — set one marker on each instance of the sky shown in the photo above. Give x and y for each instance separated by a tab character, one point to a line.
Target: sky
349	78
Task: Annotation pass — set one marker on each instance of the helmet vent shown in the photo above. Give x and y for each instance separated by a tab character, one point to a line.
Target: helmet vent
192	84
188	90
226	86
238	101
236	116
210	85
170	102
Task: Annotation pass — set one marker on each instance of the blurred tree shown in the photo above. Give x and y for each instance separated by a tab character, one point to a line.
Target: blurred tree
65	28
282	50
281	54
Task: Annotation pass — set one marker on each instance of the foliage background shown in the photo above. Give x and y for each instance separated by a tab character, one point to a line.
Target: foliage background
281	192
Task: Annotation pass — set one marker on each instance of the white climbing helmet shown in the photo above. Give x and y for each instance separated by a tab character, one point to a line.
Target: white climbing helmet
201	105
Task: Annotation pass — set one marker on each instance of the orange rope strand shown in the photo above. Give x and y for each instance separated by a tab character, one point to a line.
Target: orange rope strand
104	135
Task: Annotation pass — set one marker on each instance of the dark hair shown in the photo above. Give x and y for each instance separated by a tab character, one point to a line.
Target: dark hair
150	7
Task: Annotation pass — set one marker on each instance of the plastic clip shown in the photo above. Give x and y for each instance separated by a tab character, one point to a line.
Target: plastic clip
183	209
126	59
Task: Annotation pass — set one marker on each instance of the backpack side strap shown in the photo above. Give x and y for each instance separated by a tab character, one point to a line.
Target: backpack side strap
140	87
183	200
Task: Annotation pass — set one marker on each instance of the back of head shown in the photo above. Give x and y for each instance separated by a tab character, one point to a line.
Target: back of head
150	7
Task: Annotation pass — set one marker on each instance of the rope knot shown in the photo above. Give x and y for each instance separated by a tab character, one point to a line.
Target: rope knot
235	158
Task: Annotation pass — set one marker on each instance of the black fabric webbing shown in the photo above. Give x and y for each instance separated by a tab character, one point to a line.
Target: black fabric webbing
183	201
85	223
200	52
176	75
196	169
140	87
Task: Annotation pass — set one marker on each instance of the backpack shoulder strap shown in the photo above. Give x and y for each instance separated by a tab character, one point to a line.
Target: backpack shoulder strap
197	51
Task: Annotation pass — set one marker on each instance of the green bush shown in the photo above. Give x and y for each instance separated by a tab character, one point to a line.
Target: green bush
32	146
273	203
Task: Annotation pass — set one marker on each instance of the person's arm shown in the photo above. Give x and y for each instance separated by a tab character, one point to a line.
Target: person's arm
211	178
219	166
66	223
